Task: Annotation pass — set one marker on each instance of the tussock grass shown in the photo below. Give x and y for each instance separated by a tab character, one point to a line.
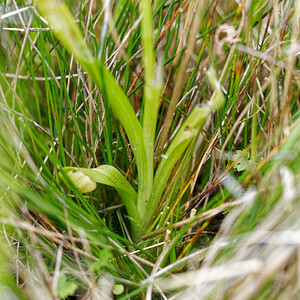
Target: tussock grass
192	202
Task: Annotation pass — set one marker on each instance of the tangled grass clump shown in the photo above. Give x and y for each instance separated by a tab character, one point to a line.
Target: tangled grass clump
149	150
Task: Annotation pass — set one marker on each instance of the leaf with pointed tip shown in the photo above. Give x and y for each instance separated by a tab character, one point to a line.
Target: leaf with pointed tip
183	138
108	175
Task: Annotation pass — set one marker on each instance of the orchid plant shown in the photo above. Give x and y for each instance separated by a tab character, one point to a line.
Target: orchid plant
141	205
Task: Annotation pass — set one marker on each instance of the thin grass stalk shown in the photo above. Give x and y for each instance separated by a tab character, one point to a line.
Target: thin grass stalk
179	81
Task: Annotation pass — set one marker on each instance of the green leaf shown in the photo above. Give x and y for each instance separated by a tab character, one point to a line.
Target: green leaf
186	133
111	176
218	97
103	260
242	164
65	287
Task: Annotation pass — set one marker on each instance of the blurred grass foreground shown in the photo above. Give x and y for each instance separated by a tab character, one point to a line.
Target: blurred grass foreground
149	149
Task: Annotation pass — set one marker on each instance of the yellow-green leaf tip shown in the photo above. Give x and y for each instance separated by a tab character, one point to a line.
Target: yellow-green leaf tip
83	182
118	289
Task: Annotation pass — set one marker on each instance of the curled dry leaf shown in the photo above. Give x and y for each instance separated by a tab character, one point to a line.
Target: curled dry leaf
224	34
